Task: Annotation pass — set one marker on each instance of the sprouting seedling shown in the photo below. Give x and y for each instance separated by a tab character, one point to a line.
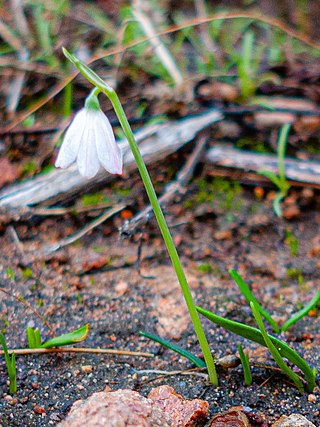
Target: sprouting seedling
292	242
33	338
245	365
279	180
255	335
90	142
248	64
11	366
278	348
74	337
275	349
245	66
246	292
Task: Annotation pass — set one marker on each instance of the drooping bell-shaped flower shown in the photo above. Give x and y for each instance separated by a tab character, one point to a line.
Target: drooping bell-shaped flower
90	142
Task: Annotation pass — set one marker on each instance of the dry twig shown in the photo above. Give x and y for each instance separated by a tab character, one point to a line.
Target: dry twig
49	249
25	351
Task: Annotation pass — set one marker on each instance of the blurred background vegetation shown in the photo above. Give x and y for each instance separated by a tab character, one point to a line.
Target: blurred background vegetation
207	54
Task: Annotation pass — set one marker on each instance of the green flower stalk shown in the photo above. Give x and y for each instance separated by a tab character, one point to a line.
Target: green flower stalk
101	86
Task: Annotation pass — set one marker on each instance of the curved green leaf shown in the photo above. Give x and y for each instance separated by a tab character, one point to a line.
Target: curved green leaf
70	338
255	335
303	312
194	359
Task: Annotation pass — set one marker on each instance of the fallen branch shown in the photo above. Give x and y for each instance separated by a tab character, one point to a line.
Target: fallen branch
49	249
300	172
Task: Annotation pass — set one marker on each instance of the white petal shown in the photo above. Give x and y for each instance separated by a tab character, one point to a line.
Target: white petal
108	151
87	160
71	142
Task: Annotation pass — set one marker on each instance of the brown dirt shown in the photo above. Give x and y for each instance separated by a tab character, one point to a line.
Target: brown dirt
96	281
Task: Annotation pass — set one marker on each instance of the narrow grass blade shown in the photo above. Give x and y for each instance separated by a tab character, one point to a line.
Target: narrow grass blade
246	292
5	350
67	100
282	143
245	365
194	359
11	366
276	203
13	375
31	338
70	338
255	335
274	351
245	66
303	312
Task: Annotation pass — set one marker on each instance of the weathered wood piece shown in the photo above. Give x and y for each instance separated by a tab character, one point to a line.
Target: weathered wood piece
155	142
299	171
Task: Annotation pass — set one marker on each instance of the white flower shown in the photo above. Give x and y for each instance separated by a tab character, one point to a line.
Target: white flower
90	142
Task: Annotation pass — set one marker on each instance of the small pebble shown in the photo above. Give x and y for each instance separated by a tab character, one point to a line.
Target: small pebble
312	398
39	410
86	368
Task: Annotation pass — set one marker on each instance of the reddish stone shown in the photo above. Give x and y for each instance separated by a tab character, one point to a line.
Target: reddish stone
232	418
183	413
115	409
39	410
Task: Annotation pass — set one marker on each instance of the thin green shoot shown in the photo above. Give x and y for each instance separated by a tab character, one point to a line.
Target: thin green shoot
11	366
275	350
303	312
11	274
44	35
246	292
292	242
296	274
248	64
279	180
282	144
4	322
245	66
245	365
33	338
67	100
101	86
184	353
255	335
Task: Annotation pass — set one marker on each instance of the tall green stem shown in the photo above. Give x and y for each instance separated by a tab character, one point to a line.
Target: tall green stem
166	237
111	94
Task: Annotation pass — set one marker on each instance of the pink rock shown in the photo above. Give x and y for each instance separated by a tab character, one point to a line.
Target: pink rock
183	413
294	420
121	408
231	418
